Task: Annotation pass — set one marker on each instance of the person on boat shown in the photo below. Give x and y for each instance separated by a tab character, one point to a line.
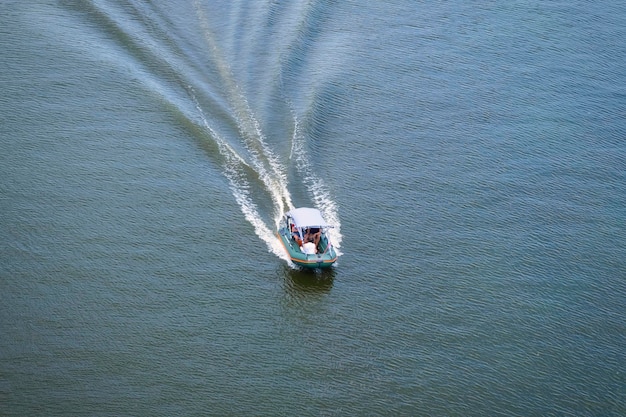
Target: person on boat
313	234
296	235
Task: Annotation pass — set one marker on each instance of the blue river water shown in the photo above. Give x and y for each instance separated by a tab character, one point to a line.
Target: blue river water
471	155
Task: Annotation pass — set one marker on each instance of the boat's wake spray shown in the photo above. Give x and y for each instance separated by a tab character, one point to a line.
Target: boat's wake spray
259	158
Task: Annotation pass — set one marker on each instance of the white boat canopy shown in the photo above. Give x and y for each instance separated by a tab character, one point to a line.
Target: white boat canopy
307	217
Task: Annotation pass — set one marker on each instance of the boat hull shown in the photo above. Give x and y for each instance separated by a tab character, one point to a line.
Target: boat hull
325	257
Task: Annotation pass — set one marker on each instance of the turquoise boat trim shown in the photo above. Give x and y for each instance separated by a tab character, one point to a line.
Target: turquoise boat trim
316	260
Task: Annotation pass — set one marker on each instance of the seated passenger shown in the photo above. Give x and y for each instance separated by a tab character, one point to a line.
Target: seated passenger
313	235
295	235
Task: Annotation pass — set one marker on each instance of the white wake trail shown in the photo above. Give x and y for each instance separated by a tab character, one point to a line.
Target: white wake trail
260	157
234	171
315	186
265	163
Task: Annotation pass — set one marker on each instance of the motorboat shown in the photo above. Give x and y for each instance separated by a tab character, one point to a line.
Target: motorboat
303	233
